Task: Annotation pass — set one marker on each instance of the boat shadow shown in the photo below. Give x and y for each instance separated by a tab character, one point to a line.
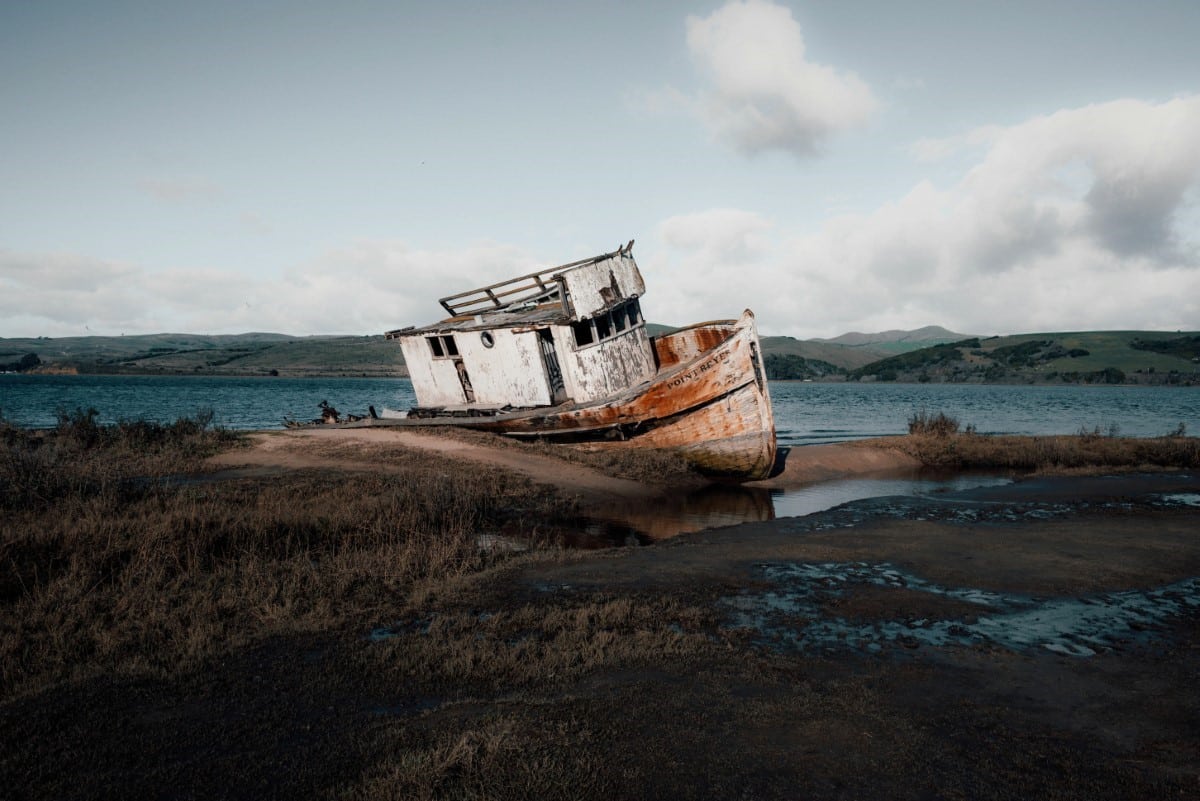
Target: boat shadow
781	456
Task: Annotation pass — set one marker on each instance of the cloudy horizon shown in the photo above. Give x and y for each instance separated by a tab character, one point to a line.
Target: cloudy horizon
213	168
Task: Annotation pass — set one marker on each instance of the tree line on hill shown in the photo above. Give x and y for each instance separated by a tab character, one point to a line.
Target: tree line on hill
21	365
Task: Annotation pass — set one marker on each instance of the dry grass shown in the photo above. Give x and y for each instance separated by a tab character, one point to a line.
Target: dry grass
110	563
503	757
1085	451
937	425
81	457
554	641
533	663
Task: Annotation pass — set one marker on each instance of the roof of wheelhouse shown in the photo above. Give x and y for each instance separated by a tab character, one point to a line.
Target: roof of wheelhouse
533	299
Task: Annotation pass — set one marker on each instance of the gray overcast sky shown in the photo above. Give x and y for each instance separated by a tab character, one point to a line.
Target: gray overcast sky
335	168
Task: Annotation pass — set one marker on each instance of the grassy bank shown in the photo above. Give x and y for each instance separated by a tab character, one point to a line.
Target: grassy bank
113	560
937	441
122	568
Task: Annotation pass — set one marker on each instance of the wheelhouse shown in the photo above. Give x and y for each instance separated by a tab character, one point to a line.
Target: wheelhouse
572	333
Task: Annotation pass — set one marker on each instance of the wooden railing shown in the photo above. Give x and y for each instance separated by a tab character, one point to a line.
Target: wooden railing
518	290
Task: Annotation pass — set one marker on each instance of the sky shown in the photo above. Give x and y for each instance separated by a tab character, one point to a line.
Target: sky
335	168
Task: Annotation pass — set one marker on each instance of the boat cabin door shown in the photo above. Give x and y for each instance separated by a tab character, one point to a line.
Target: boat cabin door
554	376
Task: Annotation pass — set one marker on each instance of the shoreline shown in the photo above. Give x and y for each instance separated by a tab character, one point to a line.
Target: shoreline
1186	380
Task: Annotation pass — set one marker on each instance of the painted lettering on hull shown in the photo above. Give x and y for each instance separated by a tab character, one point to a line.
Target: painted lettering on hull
698	370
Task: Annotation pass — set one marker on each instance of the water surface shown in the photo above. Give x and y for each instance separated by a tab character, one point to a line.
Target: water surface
805	413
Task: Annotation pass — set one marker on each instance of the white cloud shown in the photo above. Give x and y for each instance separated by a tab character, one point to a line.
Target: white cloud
765	94
1075	220
701	266
367	287
729	234
1085	218
68	295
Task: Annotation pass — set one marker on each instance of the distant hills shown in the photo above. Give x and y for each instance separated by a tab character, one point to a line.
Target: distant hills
231	354
897	341
929	354
1090	357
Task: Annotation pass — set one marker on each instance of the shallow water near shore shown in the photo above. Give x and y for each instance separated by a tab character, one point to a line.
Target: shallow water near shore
805	413
828	494
719	505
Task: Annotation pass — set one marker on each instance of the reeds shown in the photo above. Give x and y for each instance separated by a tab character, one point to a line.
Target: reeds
937	425
114	557
935	440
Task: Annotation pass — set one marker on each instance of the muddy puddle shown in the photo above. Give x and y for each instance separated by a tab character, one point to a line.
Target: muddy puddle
845	503
793	613
718	505
826	495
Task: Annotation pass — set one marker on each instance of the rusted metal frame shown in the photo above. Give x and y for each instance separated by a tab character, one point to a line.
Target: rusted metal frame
563	296
493	298
448	301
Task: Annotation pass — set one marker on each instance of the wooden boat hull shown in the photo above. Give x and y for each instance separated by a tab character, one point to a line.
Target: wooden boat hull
709	401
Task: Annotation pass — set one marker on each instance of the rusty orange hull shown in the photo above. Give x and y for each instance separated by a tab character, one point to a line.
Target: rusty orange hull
709	400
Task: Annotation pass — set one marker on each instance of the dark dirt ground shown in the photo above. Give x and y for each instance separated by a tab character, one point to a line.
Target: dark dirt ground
768	682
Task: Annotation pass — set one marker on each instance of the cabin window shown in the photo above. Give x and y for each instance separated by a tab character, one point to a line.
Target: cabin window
583	333
443	346
635	312
603	327
617	320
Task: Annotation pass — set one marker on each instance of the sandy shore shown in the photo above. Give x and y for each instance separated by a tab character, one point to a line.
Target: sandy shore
319	448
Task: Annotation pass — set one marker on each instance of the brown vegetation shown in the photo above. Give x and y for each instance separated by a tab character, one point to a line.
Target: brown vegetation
115	560
154	621
935	441
926	423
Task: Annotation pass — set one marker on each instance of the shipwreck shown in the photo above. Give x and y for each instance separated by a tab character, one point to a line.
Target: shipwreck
563	355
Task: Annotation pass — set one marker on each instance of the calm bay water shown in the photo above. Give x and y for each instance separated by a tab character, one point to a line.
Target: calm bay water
805	413
241	403
811	413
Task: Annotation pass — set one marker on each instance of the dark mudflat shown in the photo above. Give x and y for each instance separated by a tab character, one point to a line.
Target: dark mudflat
1036	640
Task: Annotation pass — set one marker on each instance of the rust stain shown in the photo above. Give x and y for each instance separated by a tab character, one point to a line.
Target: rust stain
710	408
685	345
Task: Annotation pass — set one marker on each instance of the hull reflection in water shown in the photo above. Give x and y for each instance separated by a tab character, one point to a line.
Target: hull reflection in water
828	494
719	505
647	522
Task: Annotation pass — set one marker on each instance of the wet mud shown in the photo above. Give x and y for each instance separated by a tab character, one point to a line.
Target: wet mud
794	613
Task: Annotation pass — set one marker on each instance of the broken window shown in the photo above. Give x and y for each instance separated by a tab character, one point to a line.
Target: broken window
443	346
617	320
603	327
583	333
635	312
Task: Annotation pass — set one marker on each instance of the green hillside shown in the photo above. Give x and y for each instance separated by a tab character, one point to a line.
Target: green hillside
847	357
1151	357
234	354
1093	357
897	341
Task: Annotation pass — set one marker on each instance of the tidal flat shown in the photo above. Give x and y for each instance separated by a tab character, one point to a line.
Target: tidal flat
190	613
